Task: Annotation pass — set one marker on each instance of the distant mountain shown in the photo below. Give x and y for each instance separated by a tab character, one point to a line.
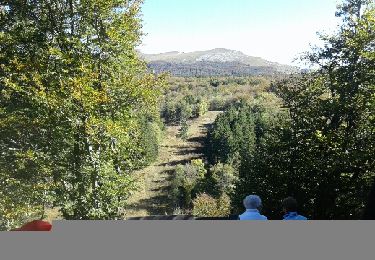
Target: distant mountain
216	62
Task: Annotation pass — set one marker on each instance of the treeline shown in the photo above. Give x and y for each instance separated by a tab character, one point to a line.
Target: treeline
311	136
78	110
187	98
218	69
177	111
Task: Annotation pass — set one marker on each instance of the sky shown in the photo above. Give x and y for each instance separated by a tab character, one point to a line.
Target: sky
276	30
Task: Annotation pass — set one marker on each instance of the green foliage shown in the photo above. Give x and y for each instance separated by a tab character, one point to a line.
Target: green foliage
202	108
214	83
185	110
332	113
206	206
185	182
237	132
314	141
248	137
225	178
177	111
184	131
73	107
189	98
20	201
151	134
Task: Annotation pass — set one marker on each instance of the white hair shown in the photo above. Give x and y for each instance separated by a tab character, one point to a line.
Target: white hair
252	202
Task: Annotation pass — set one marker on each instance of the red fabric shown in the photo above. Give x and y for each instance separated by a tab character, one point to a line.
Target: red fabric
36	225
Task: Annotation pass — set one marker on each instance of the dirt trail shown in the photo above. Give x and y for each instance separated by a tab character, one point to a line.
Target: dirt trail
152	198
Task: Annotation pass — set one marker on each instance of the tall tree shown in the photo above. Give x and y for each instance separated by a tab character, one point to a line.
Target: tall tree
254	138
73	92
318	146
332	115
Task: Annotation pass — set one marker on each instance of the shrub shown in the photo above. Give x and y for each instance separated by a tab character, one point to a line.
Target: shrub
185	181
151	134
217	104
202	108
214	83
225	178
206	206
169	112
184	131
184	111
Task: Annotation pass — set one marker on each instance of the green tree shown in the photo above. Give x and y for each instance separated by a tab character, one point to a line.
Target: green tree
214	83
183	134
72	92
202	108
185	182
225	178
332	116
254	138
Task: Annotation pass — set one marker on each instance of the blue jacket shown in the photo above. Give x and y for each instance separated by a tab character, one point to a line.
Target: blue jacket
252	214
294	216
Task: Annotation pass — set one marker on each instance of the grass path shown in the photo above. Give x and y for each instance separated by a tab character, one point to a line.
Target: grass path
152	198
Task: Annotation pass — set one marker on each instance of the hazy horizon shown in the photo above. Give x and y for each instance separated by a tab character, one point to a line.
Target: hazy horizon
277	31
182	52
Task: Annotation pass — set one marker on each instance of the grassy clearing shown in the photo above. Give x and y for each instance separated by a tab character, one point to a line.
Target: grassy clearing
154	181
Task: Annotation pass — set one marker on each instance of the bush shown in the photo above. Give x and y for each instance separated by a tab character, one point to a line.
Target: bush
184	131
184	111
151	134
218	104
225	178
202	108
214	83
185	181
169	112
206	206
240	81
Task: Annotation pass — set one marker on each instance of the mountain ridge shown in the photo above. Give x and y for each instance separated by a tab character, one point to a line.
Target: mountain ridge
215	62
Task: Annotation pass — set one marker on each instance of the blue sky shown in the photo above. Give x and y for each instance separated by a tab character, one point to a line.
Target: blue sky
277	30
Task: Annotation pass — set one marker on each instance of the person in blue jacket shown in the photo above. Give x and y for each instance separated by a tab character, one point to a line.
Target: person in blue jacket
290	209
252	204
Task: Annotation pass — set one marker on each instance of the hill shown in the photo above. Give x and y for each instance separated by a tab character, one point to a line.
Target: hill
216	62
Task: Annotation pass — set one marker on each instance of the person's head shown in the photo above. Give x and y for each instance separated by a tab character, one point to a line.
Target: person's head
252	202
290	204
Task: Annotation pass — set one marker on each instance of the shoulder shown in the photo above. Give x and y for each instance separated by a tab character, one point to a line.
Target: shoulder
242	216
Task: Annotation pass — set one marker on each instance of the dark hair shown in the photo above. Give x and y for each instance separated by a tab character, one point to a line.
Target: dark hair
290	204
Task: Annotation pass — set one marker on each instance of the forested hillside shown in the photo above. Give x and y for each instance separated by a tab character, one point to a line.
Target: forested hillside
217	62
86	130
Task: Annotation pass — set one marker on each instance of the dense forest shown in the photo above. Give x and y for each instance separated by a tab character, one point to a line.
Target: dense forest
207	69
80	113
